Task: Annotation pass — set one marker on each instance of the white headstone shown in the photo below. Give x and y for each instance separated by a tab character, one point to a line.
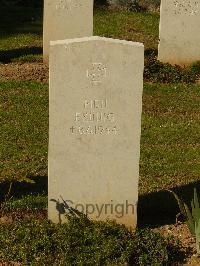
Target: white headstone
96	89
66	19
179	31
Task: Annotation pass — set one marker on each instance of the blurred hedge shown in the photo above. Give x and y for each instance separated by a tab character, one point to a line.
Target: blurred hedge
131	4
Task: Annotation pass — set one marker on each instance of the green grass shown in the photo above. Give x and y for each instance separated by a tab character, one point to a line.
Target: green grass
26	203
169	146
170	149
132	26
24	129
21	31
170	133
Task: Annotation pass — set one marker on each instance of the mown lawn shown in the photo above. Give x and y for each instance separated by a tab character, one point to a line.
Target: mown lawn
170	147
21	31
24	129
170	133
170	122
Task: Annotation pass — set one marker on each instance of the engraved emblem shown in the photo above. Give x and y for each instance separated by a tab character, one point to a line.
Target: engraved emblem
67	4
63	4
97	73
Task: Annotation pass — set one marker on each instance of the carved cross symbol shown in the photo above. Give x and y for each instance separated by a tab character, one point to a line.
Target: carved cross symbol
63	4
97	73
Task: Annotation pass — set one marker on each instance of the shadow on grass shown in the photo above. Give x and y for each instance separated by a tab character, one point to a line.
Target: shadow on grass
150	52
19	189
160	208
7	56
154	209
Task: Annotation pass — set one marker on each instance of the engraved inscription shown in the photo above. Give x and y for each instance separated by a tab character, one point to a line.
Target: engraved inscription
93	130
95	119
97	73
188	7
95	104
67	4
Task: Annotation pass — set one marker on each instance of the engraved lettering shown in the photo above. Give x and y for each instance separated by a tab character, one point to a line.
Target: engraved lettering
72	129
94	130
95	104
80	129
89	130
87	104
96	119
77	118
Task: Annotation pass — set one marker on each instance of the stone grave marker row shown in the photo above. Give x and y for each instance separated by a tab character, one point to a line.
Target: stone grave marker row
95	107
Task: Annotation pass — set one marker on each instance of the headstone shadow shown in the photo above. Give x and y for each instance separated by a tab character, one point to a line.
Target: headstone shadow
151	52
20	189
6	56
161	208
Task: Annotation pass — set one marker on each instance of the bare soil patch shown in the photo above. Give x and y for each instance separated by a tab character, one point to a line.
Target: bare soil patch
24	71
187	241
8	218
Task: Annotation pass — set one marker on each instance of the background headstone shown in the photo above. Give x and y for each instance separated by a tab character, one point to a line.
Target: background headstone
95	122
179	31
66	19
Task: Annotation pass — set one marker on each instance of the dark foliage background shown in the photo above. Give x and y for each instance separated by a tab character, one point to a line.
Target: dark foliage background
28	3
133	3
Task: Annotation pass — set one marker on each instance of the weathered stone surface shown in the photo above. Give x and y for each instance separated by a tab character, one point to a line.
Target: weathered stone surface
66	19
95	122
179	31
